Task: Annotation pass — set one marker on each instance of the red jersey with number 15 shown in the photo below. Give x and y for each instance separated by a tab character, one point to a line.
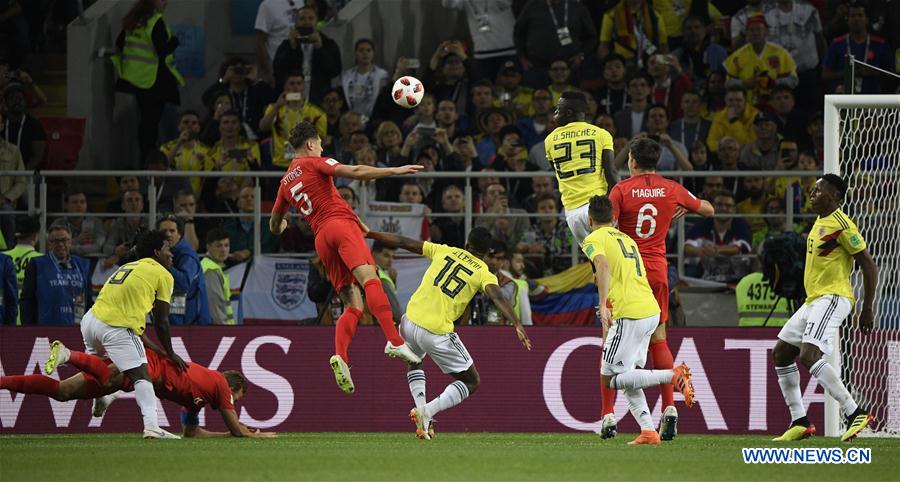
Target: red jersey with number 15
308	186
644	206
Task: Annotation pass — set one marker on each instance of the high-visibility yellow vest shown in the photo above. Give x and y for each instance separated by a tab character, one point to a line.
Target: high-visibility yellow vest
21	254
522	286
384	276
210	265
138	61
755	299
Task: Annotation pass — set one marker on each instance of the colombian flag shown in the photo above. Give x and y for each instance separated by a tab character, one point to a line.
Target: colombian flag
571	301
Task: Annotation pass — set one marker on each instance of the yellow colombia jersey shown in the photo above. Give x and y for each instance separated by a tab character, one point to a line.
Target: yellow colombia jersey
129	293
574	151
453	279
629	291
830	247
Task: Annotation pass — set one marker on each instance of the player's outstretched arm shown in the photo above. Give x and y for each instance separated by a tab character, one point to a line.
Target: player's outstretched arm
607	160
196	431
161	325
494	293
237	429
870	279
367	173
396	241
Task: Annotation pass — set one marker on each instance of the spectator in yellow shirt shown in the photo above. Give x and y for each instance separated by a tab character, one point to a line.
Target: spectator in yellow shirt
735	120
634	30
760	65
233	152
287	111
186	152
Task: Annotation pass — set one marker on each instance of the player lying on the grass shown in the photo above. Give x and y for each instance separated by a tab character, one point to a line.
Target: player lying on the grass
833	244
621	279
454	277
112	326
308	187
644	205
101	380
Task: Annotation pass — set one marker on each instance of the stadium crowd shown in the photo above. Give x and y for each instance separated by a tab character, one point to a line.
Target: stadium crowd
721	85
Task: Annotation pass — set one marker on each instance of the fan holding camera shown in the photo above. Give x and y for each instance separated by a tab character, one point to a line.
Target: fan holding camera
288	111
310	52
240	81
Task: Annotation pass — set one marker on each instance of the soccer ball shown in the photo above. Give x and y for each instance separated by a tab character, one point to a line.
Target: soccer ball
408	92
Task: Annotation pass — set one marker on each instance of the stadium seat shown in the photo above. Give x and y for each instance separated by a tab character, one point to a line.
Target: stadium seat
65	136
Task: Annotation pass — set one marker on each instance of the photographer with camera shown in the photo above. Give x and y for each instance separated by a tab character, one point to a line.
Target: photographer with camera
186	152
674	155
248	94
289	110
310	52
233	152
34	96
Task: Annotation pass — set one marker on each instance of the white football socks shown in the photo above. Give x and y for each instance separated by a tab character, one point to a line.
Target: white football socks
416	380
789	381
638	379
828	378
637	404
455	393
146	400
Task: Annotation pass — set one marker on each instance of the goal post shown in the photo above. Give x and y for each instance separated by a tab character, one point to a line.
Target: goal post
862	144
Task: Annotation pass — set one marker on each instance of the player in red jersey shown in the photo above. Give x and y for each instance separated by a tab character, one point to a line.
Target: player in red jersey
308	187
101	380
645	205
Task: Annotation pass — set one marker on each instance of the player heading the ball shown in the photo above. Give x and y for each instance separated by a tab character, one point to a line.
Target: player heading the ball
308	187
582	156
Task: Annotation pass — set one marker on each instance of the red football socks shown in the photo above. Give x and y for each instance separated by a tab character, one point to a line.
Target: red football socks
380	307
345	331
37	384
91	364
607	398
663	360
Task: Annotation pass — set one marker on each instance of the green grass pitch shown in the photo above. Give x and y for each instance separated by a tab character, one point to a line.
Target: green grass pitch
396	456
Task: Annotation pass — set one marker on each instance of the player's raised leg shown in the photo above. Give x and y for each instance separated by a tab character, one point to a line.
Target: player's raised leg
627	349
91	364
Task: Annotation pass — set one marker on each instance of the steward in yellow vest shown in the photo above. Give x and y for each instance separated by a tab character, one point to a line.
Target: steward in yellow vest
755	299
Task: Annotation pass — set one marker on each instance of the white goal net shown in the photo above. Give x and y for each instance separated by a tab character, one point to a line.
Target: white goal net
862	144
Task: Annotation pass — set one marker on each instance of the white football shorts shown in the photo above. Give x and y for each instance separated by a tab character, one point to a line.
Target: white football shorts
579	223
626	344
447	351
119	344
816	322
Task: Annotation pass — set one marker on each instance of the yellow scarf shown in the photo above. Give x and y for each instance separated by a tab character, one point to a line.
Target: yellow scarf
623	22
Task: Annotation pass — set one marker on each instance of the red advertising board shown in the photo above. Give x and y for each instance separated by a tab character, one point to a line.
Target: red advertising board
552	388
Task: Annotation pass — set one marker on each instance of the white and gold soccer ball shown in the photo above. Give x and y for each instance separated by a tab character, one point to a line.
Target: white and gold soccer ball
408	92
